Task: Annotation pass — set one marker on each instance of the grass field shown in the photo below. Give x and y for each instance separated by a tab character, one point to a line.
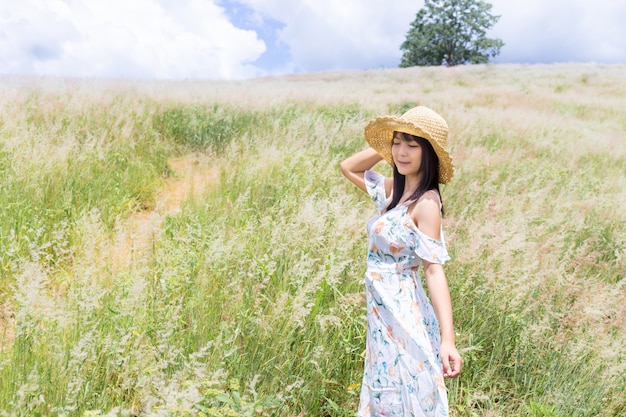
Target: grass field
191	248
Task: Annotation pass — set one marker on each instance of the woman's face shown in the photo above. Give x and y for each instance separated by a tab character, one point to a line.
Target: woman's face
407	154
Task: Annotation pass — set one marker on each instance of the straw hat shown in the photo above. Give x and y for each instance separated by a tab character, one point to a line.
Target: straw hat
418	121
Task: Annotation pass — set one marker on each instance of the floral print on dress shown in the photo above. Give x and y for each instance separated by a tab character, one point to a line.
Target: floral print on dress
403	372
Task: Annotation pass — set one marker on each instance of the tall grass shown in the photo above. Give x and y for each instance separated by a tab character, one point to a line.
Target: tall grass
249	301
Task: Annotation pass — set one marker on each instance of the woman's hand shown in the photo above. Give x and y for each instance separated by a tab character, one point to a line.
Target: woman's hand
451	360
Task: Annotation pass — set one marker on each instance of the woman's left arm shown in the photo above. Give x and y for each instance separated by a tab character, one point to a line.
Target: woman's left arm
440	297
426	214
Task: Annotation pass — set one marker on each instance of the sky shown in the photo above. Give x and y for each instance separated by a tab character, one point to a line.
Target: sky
241	39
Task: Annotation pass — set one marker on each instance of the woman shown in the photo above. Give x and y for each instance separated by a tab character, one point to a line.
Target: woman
407	357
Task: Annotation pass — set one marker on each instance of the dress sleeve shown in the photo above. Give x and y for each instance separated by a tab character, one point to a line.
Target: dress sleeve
375	184
431	250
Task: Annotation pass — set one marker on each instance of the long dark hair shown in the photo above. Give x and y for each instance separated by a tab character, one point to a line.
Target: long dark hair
430	173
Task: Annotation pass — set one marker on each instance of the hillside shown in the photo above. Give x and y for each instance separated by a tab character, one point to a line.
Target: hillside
190	247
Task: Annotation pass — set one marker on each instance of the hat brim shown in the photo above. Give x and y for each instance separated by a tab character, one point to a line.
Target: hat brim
379	135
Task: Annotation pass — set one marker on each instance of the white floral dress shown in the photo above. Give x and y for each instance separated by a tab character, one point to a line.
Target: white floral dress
403	371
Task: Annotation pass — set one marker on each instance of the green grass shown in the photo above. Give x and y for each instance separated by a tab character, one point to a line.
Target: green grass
248	302
204	127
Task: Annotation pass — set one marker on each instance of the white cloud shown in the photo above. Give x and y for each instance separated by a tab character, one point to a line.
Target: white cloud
547	31
195	39
347	34
126	38
327	34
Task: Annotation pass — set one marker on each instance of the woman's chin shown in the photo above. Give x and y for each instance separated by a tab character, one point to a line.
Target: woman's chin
405	169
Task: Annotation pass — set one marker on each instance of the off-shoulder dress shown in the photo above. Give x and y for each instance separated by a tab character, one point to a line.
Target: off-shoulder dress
403	372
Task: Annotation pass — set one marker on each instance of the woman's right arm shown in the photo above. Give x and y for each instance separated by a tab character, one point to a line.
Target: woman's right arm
355	166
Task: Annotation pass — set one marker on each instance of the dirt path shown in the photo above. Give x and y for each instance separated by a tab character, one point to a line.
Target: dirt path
132	243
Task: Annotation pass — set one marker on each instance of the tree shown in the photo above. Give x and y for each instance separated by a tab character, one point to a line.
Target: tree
451	31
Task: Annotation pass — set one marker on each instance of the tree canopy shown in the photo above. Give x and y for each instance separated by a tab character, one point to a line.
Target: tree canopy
451	31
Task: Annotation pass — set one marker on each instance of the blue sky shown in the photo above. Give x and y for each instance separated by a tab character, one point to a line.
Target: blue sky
238	39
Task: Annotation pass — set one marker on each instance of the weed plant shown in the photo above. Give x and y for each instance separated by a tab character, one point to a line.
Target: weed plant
249	301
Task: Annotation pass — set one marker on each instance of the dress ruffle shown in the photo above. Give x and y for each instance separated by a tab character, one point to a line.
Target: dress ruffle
426	247
375	184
